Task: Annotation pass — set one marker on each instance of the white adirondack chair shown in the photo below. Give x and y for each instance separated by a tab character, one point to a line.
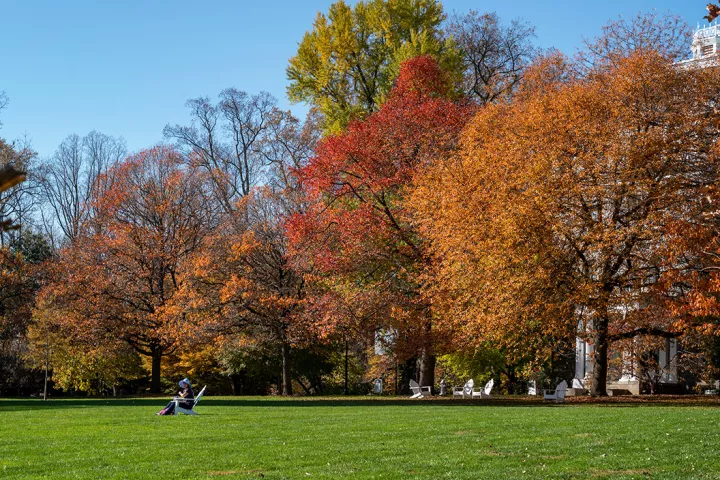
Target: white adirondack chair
466	391
485	392
532	389
558	394
179	409
417	390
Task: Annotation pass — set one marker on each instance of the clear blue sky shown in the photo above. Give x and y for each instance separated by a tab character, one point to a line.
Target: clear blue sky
126	68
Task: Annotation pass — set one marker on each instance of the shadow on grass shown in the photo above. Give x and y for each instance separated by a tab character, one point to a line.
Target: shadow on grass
255	402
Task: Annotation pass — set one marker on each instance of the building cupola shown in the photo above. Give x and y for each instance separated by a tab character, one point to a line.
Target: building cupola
706	42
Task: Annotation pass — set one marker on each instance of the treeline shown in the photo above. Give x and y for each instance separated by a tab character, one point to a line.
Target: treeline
457	204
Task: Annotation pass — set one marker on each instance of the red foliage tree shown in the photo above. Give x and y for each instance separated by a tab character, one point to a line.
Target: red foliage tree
358	232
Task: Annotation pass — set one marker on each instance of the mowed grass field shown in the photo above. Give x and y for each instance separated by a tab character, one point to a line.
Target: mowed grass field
274	438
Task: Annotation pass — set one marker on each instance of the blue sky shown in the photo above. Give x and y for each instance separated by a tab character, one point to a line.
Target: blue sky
127	68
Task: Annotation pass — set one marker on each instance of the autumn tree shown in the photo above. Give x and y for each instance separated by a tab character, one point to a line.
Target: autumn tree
555	210
69	179
242	282
667	34
21	277
494	55
287	147
695	286
19	281
118	278
350	320
227	140
72	360
358	231
346	65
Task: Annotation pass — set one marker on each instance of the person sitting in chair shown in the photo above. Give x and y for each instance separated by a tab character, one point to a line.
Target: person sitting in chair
186	394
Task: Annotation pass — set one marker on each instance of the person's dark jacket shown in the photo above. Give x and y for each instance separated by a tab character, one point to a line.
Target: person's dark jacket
188	400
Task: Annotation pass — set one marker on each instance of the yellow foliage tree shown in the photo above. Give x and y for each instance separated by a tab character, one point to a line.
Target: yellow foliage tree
346	64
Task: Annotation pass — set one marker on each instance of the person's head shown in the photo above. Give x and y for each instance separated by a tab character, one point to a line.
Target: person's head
184	383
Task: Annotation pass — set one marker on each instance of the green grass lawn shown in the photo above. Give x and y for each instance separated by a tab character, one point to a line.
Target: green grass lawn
273	438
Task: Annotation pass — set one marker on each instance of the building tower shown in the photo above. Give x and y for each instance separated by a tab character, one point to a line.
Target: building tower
705	47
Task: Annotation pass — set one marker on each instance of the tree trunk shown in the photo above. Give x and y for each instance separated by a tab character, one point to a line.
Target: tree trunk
427	369
345	388
408	373
513	387
47	367
155	373
600	358
237	383
397	377
286	377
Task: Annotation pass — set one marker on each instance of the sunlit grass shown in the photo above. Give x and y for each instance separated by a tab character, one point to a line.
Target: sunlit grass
335	438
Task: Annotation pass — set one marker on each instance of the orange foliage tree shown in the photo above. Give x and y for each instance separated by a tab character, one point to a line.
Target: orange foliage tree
118	278
556	209
357	232
243	283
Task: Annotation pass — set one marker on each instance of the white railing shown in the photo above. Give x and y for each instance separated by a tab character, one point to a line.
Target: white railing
707	32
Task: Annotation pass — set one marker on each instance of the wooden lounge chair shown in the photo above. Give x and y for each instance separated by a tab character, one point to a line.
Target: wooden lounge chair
558	394
417	390
485	392
465	391
532	389
191	411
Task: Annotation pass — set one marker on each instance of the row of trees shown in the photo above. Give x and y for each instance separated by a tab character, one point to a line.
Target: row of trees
456	202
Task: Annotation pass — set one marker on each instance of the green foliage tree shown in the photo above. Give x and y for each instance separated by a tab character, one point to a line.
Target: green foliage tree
34	247
347	63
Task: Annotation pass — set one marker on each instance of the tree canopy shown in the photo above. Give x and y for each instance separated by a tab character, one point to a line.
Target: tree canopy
555	209
346	65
